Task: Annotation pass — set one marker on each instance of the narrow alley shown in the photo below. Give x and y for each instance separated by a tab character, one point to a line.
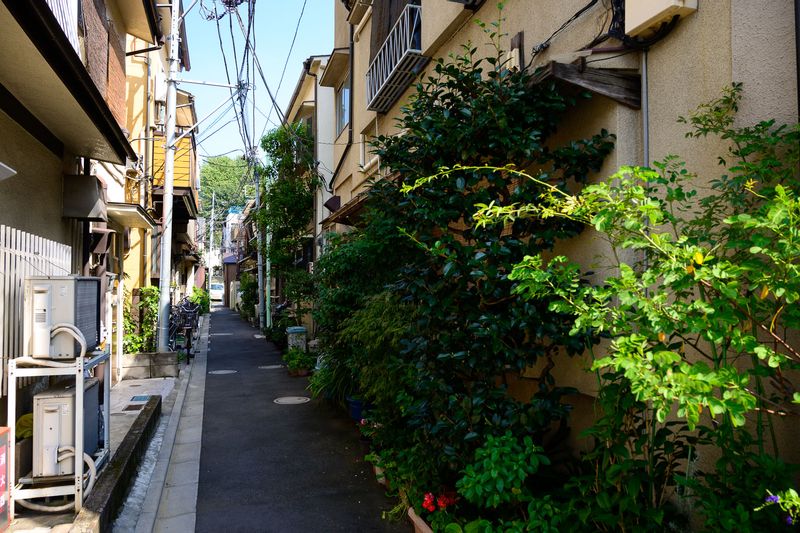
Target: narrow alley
276	467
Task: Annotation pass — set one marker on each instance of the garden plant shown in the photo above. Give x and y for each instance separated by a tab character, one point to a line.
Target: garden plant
451	290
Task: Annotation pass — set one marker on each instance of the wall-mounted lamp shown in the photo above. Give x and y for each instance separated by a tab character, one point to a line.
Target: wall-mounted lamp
6	171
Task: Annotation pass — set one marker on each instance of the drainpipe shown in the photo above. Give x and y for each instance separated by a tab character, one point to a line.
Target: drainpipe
315	132
645	113
797	50
350	125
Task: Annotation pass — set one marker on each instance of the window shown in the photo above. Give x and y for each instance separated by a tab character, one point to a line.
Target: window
343	106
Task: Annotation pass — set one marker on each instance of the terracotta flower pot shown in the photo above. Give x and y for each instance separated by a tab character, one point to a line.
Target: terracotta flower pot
419	525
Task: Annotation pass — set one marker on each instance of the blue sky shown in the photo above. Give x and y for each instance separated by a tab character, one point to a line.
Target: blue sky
275	23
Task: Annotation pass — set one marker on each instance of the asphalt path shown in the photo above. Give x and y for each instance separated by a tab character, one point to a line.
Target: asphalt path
266	467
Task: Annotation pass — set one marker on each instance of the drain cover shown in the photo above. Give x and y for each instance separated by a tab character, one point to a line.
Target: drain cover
133	407
271	367
292	400
221	372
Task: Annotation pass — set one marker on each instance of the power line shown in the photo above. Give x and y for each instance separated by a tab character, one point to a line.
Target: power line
291	48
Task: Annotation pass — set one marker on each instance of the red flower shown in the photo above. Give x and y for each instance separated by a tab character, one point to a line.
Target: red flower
445	500
427	503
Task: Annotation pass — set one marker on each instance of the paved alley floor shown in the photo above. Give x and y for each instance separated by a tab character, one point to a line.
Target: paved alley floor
278	468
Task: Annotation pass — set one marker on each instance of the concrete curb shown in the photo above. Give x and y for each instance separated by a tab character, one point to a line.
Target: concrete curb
149	513
111	487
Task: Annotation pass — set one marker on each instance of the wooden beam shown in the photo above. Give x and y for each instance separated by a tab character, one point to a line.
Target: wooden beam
621	87
20	114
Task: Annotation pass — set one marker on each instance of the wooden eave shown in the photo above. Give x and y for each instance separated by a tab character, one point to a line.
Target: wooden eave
624	87
349	214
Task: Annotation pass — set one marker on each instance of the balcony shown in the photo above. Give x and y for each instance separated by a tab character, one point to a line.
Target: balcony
398	61
66	12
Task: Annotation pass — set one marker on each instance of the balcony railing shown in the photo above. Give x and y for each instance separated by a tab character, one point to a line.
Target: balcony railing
398	61
66	12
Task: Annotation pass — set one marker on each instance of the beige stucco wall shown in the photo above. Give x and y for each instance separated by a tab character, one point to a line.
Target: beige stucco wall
764	58
32	200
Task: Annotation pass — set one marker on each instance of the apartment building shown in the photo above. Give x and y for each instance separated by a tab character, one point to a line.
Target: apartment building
644	64
78	100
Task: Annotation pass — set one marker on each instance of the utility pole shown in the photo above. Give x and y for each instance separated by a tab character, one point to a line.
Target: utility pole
262	311
268	270
165	265
211	237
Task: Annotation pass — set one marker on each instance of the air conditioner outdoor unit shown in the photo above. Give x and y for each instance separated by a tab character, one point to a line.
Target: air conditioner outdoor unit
645	16
54	426
54	300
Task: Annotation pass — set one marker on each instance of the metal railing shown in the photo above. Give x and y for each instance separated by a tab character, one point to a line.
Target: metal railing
398	61
66	12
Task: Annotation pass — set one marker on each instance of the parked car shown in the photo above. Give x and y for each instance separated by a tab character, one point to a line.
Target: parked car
216	291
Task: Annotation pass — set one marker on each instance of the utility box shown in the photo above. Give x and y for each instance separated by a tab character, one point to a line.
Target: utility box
643	17
296	337
60	299
54	427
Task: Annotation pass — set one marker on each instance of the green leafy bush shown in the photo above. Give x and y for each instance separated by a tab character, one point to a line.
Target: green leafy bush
297	359
700	328
200	297
141	321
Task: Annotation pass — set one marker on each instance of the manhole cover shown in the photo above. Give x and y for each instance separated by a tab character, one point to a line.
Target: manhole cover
292	400
271	367
221	372
133	407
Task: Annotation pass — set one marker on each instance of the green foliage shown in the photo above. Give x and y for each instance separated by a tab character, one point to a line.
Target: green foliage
227	179
290	182
140	322
700	328
200	297
470	332
499	471
248	285
297	359
427	309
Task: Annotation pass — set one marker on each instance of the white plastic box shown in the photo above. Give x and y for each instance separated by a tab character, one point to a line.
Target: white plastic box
54	426
644	16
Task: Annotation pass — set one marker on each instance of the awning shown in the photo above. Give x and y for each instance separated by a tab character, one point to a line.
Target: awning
46	89
140	19
349	214
336	68
130	215
621	86
185	116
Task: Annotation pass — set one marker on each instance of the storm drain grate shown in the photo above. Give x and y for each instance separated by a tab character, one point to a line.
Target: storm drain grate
133	407
291	400
222	372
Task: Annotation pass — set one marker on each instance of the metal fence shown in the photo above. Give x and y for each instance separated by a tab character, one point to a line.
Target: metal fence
23	254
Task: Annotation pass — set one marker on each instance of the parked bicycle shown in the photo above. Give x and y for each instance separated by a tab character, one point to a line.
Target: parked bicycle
183	324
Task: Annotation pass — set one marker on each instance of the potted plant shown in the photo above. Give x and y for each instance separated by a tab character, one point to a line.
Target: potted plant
299	362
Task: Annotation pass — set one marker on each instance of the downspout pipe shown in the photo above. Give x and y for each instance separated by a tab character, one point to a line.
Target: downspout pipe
350	125
797	50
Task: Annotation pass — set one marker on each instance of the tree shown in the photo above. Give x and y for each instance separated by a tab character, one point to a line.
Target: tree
228	179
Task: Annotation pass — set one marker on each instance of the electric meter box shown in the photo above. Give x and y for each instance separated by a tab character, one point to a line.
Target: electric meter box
60	299
54	426
643	17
